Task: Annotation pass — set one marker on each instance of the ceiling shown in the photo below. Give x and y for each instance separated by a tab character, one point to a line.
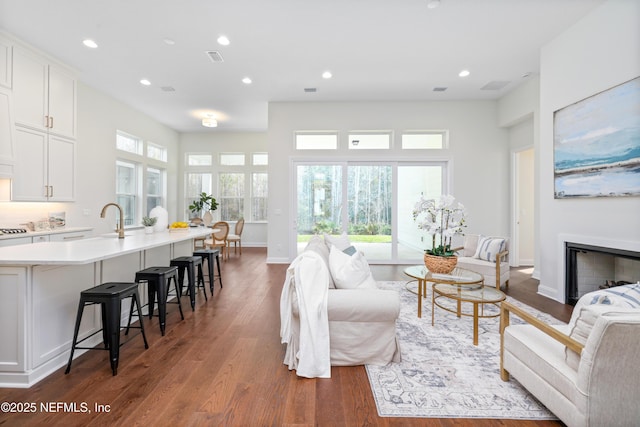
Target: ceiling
392	50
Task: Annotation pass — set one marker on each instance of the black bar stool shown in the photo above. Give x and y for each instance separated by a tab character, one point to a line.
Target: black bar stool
109	296
209	255
190	263
159	282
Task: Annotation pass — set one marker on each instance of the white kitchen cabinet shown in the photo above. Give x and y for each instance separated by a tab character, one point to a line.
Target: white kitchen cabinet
6	48
16	241
41	238
44	94
44	167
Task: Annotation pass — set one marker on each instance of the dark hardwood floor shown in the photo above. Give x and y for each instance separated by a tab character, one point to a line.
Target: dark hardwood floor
222	366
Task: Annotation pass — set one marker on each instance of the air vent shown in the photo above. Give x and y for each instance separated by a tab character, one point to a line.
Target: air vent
310	89
167	89
439	89
215	56
495	85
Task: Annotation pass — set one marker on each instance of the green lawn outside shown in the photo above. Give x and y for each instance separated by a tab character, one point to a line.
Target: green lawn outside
353	238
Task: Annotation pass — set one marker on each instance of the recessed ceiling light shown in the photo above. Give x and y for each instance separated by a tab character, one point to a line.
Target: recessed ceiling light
432	4
145	82
327	75
90	43
464	73
223	40
168	41
246	81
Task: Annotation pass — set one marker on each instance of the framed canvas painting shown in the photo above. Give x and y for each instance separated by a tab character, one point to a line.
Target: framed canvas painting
597	144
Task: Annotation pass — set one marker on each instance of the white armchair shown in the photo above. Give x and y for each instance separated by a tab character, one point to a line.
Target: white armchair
586	372
492	260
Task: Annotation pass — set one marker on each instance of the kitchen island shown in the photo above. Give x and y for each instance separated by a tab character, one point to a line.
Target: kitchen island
40	287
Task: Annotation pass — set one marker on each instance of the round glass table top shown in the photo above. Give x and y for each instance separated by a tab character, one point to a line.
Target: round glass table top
482	294
459	276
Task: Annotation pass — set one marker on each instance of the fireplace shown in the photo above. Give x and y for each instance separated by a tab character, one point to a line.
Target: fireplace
589	267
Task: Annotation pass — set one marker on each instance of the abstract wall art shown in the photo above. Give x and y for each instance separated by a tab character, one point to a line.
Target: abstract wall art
597	144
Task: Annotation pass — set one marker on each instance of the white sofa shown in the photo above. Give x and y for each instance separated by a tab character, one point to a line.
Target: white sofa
495	272
585	372
362	321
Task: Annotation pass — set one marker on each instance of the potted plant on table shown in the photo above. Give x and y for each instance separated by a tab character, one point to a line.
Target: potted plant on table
205	202
149	222
442	219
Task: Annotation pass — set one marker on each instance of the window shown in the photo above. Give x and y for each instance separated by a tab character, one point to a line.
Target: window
154	188
259	196
126	190
199	160
316	141
156	152
196	183
370	141
136	192
128	143
231	189
232	159
259	159
424	140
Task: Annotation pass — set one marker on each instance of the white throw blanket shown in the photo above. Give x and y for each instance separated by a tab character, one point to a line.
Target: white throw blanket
307	281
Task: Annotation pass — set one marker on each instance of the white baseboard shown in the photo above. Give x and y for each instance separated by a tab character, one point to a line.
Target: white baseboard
277	260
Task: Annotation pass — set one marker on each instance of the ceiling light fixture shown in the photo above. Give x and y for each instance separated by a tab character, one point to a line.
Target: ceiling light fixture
327	75
169	42
246	81
223	40
432	4
145	82
209	122
90	43
464	73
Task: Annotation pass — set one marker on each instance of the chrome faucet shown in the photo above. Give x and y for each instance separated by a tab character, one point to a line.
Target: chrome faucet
120	228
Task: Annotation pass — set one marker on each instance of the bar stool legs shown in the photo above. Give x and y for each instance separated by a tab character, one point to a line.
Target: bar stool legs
190	263
159	282
109	296
209	255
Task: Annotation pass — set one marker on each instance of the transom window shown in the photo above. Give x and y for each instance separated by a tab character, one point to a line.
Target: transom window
424	140
316	141
370	141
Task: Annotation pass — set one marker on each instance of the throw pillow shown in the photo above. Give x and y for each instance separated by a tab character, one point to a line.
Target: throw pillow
341	242
350	271
489	247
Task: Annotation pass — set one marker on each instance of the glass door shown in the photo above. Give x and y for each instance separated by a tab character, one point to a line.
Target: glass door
371	201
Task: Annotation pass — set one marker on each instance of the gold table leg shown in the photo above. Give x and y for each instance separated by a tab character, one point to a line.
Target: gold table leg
475	323
420	282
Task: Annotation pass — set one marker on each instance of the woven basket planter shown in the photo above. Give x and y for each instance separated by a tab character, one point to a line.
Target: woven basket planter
439	264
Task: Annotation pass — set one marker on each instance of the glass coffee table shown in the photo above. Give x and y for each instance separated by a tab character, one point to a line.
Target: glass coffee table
459	276
478	295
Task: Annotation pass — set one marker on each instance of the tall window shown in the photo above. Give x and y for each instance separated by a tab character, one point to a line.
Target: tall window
154	188
259	196
196	183
126	190
232	193
135	192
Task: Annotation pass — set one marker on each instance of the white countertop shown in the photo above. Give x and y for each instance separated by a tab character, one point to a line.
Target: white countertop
93	249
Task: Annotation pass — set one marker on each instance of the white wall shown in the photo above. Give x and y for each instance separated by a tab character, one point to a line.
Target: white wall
254	233
478	149
99	117
599	52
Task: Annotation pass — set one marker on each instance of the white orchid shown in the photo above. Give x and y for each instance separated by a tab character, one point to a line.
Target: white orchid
443	218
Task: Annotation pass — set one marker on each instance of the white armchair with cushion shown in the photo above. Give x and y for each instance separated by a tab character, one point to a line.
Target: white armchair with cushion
361	317
488	256
585	372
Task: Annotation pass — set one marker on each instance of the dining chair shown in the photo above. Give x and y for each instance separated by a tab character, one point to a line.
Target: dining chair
236	237
219	238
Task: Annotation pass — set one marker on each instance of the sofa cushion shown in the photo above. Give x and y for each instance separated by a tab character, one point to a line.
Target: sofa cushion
350	271
489	247
627	296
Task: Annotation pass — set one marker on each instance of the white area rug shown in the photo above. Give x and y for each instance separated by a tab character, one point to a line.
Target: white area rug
442	374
